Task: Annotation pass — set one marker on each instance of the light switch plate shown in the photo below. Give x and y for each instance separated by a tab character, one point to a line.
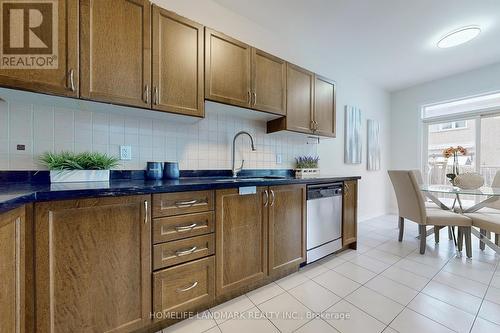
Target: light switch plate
125	152
279	159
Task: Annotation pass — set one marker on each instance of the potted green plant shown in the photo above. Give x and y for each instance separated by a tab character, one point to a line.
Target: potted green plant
83	167
306	167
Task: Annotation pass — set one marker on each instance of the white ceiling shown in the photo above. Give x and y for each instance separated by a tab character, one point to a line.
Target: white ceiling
391	43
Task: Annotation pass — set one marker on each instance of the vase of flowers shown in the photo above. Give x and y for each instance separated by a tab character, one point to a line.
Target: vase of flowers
306	167
454	152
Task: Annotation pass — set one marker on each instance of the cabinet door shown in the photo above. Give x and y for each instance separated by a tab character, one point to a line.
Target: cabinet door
287	227
93	260
177	64
63	78
268	82
227	69
241	239
324	106
350	212
299	99
14	265
115	51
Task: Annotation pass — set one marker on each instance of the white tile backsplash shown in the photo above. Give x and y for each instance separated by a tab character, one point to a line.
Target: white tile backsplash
203	144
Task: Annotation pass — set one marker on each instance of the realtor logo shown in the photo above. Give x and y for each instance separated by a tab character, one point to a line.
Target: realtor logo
29	34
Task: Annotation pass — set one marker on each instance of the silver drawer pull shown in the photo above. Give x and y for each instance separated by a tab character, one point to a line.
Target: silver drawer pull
180	290
186	203
186	227
185	252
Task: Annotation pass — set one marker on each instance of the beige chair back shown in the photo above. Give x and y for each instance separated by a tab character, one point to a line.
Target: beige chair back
496	183
418	177
410	199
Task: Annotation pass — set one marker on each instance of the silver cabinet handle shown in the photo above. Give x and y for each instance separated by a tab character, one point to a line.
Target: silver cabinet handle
273	197
146	211
180	253
186	203
185	227
146	94
249	97
72	80
180	290
267	198
254	98
155	96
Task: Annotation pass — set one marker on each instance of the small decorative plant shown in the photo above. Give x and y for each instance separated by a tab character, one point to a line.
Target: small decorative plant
454	152
307	162
82	161
83	167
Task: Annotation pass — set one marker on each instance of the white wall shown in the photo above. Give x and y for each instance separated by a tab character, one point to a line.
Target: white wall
406	125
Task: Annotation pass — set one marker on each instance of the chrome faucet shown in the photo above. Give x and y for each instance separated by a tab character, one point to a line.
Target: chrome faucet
235	171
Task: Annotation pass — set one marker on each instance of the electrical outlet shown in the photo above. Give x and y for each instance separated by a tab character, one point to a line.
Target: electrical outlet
279	159
125	152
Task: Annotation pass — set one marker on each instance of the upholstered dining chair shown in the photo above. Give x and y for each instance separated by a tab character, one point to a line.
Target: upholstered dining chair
487	219
411	206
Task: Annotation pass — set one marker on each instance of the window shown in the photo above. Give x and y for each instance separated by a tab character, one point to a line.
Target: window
452	125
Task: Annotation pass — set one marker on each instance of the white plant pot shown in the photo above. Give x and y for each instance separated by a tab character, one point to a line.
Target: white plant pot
306	173
73	176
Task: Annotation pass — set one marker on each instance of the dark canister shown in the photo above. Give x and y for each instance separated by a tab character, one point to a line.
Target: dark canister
154	170
171	170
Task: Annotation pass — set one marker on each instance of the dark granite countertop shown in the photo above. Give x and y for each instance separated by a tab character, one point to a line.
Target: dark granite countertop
14	194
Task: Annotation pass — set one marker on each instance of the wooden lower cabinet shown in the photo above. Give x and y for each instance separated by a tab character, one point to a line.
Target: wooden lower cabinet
184	287
93	261
15	272
287	227
349	213
241	239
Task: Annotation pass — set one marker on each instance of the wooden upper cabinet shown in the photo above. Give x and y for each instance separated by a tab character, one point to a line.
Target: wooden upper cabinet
115	53
349	212
241	239
287	227
227	69
15	264
93	261
324	107
178	77
268	82
62	79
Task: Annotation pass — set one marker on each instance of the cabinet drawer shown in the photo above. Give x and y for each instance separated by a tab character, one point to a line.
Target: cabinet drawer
168	204
184	287
176	227
176	252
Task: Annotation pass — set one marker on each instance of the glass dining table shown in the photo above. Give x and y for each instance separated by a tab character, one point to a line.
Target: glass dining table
482	197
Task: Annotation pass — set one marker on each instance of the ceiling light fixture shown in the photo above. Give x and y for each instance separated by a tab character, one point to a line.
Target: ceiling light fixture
459	36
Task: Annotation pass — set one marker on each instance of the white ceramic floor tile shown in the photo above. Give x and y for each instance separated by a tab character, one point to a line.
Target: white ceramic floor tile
490	311
495	281
215	329
279	309
392	289
443	313
337	283
410	321
376	305
493	295
484	326
405	277
436	260
417	268
314	296
313	270
388	329
386	257
225	310
357	320
250	321
292	281
458	282
197	324
474	270
264	293
453	296
347	254
370	263
401	249
316	326
355	272
331	262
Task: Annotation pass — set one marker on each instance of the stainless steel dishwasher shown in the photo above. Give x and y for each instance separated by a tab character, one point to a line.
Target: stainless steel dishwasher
324	220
